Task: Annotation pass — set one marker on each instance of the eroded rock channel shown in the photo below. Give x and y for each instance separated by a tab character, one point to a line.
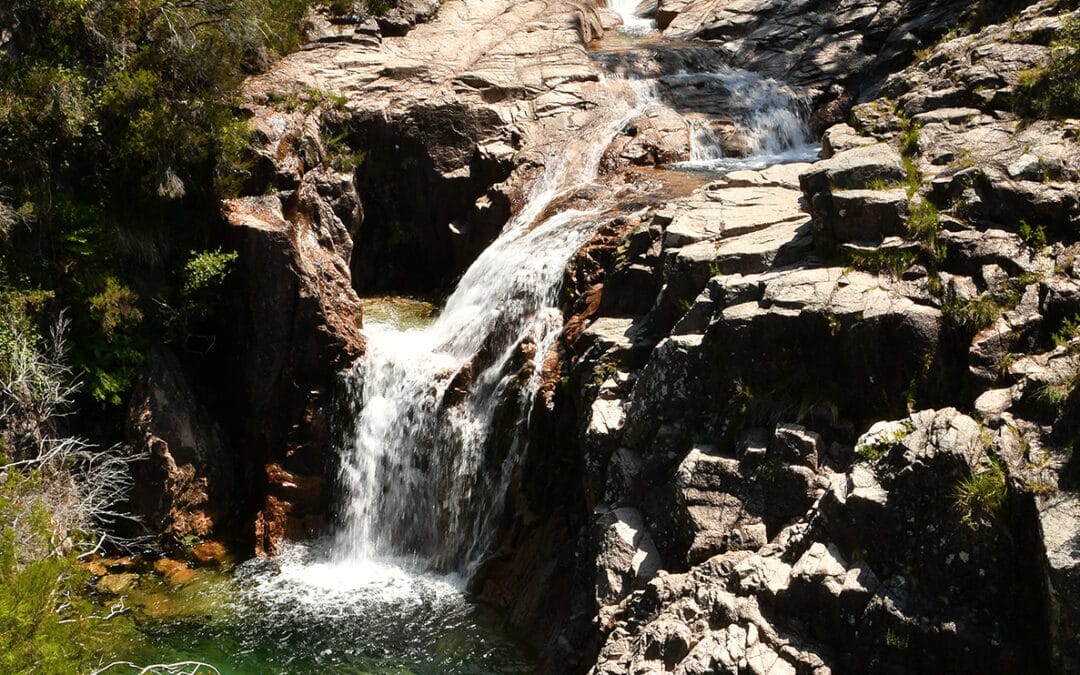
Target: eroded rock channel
759	347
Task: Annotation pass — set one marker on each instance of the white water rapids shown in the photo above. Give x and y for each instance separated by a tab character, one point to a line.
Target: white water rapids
771	125
633	23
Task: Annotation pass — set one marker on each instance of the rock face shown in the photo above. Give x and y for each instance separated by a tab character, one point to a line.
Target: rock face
810	418
834	399
839	51
184	486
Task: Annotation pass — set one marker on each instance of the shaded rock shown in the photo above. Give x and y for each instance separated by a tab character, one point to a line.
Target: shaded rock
1059	527
185	485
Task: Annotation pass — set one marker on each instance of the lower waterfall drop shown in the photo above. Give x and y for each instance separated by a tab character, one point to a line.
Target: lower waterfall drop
422	472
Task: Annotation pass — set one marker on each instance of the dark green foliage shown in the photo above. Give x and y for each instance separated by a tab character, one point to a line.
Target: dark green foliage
1054	89
120	129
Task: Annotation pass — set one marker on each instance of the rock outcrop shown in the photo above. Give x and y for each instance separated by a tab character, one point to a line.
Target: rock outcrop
728	362
184	486
810	418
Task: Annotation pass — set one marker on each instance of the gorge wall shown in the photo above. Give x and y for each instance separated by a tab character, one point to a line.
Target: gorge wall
815	417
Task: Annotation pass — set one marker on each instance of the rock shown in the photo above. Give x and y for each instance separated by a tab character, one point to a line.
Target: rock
813	43
185	484
211	553
175	572
868	215
117	584
1059	528
854	169
299	329
842	137
992	403
94	567
627	557
795	443
841	203
658	136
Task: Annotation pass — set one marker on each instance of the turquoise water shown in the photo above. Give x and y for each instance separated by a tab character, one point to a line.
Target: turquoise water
300	613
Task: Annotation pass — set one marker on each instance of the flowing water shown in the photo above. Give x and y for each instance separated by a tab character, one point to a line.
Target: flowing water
422	471
632	22
437	408
770	120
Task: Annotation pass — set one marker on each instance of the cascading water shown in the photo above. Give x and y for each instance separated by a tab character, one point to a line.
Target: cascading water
439	413
422	473
770	120
633	23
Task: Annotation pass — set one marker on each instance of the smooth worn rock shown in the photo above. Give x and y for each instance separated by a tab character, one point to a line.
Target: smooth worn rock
1059	527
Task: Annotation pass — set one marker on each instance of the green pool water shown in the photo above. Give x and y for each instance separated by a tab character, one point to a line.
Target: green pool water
302	613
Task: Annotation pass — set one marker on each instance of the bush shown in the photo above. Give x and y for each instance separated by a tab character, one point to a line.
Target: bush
120	129
981	496
1054	89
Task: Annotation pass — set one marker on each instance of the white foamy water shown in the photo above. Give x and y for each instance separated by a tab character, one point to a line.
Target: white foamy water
633	23
303	578
770	119
423	474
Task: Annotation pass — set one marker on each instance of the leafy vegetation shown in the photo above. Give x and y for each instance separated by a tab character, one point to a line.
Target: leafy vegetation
884	260
54	490
120	129
982	495
1054	89
1069	333
1035	237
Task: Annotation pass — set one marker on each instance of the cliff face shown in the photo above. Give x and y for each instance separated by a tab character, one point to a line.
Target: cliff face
808	418
821	414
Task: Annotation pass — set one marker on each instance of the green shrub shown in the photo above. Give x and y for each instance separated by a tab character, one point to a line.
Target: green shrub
120	129
1068	333
201	290
1035	237
1054	89
982	495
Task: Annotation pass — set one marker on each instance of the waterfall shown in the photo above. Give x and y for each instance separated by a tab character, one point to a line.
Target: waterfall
633	23
770	120
422	474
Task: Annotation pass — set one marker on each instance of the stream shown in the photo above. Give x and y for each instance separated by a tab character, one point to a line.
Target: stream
423	469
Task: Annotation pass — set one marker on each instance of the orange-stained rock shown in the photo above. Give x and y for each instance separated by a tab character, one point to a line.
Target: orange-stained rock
211	553
94	567
174	571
